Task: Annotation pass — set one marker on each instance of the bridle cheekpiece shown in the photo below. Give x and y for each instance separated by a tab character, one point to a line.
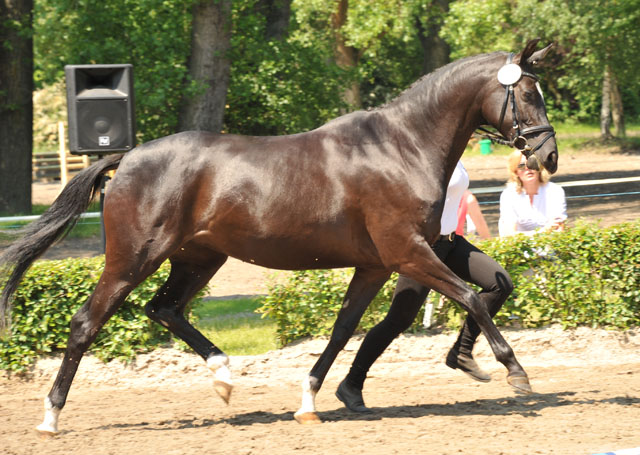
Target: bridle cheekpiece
509	75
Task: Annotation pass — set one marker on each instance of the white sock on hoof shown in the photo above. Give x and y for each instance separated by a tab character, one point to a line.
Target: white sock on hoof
219	364
308	397
50	422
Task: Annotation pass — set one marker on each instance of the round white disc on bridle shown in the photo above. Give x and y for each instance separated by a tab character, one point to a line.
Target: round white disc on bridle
509	74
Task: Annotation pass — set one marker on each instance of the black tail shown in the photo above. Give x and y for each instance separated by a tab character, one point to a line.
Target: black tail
53	225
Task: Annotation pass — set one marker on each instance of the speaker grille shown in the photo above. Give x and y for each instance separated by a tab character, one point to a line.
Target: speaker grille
100	105
102	124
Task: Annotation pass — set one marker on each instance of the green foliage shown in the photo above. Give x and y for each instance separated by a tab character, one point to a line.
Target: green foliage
288	85
49	295
385	36
584	276
309	302
49	108
479	26
153	35
277	86
588	36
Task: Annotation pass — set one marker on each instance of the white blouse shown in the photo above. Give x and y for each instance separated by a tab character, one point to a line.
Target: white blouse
457	186
516	208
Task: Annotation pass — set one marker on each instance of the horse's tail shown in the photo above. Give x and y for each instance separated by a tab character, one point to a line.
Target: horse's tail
53	225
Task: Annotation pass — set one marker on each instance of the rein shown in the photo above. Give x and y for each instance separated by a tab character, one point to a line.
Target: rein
514	75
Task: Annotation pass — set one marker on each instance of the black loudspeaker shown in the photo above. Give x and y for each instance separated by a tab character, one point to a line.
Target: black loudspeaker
100	106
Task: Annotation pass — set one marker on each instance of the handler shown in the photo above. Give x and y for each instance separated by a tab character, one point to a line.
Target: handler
466	261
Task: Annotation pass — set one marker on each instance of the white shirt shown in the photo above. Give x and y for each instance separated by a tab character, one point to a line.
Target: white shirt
457	186
516	208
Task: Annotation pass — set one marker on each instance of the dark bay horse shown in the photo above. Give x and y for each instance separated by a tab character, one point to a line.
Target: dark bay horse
365	190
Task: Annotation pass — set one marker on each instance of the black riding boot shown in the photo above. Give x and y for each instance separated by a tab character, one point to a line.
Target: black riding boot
460	357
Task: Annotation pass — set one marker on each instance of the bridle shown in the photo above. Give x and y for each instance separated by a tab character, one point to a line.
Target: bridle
519	140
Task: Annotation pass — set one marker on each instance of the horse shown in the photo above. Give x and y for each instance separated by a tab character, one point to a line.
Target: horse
365	190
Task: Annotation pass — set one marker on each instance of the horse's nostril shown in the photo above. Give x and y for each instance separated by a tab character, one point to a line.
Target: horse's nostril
551	163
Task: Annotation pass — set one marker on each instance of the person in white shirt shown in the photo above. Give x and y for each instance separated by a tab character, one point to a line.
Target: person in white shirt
530	203
466	261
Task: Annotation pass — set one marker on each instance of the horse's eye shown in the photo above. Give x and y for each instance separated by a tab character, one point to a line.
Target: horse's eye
529	95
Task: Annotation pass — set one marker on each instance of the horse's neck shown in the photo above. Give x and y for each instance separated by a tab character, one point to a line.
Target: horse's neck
443	113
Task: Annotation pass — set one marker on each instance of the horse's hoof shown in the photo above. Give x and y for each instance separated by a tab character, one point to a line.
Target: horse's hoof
223	389
45	433
307	418
520	383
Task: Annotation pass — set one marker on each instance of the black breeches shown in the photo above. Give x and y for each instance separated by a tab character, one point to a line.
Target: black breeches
466	261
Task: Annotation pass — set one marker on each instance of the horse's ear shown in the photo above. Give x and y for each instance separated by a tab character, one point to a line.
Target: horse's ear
538	55
527	52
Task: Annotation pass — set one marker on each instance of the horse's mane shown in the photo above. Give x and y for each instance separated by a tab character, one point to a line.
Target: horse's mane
433	85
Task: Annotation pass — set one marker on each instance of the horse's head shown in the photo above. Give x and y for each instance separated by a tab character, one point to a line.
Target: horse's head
515	107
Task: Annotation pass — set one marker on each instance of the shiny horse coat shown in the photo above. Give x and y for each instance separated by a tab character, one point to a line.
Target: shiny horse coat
365	190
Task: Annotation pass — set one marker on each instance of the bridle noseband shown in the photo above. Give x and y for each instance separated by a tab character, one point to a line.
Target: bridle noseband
520	139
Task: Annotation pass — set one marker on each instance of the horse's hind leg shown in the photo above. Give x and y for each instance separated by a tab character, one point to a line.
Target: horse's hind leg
364	286
110	292
167	308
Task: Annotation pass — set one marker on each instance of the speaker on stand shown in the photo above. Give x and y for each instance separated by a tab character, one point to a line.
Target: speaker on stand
100	108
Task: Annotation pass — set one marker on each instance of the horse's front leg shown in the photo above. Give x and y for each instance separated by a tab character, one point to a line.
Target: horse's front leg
412	256
364	286
434	274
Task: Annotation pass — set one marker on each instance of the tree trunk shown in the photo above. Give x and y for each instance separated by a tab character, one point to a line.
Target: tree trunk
617	108
277	14
346	56
435	50
16	106
209	66
605	110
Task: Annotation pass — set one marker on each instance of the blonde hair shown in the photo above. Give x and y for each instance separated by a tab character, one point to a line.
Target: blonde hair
512	165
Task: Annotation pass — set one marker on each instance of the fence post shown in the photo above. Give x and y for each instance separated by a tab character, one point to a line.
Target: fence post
64	172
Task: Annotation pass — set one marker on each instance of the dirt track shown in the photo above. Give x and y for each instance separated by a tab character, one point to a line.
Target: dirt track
165	403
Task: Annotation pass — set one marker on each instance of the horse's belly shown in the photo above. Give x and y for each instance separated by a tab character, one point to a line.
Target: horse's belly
295	254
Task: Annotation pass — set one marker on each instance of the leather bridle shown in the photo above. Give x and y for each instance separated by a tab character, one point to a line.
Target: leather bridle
519	140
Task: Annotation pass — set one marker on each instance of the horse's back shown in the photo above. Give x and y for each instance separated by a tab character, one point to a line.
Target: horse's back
254	198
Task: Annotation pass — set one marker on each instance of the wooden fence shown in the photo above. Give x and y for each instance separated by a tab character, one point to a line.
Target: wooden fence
58	165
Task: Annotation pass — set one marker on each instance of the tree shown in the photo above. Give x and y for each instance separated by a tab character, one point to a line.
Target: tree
593	38
209	67
375	42
479	26
152	35
434	48
601	42
281	82
16	105
277	14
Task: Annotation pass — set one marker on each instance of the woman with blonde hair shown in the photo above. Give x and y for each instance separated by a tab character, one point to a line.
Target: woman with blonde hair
530	203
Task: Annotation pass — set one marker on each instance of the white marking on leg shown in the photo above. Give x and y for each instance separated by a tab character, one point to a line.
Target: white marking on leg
50	422
219	364
308	397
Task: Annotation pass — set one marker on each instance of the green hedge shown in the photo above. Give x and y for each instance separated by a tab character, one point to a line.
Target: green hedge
586	275
50	294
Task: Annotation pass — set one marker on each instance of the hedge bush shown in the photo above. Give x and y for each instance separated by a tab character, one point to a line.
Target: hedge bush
52	291
586	275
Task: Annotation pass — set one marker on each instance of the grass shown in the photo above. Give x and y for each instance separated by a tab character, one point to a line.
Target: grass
235	327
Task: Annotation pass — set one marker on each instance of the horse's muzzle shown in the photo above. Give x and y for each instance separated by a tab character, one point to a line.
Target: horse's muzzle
551	163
